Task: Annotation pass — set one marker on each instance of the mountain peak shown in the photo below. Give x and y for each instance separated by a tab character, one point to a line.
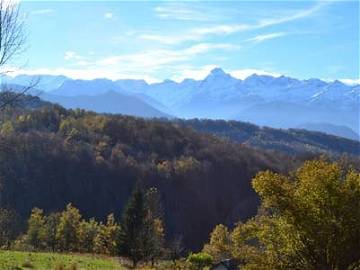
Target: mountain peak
217	72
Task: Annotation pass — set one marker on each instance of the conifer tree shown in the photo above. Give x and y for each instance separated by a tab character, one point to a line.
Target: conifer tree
131	241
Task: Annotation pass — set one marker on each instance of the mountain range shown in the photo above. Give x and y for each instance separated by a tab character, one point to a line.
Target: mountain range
281	102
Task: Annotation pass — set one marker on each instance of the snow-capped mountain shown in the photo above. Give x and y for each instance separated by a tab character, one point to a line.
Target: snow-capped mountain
262	99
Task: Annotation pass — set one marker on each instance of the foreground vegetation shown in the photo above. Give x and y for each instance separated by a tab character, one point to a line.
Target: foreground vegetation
308	220
15	260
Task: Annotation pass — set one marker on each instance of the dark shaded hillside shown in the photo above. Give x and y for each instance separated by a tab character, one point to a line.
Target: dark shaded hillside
53	156
289	141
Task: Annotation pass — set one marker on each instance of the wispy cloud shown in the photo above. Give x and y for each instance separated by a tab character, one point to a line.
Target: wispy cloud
264	37
109	16
76	59
157	58
180	11
42	11
143	64
197	34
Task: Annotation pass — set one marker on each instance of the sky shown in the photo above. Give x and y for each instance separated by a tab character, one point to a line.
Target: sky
157	40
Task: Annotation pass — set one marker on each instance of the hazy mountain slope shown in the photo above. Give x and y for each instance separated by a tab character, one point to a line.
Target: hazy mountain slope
108	102
291	141
342	131
44	82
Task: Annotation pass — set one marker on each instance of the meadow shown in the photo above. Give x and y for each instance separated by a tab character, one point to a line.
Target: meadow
16	260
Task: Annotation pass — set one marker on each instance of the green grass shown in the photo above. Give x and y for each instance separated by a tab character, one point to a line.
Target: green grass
15	260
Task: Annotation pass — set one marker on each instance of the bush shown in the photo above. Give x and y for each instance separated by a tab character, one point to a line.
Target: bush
200	260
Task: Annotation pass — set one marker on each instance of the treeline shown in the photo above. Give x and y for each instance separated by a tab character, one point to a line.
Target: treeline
138	235
308	220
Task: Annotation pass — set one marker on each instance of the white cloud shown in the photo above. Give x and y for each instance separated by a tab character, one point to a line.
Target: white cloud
76	59
261	38
350	81
69	55
154	59
244	73
42	11
109	16
141	65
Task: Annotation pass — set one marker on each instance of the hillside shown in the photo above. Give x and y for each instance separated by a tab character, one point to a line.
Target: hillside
289	141
52	156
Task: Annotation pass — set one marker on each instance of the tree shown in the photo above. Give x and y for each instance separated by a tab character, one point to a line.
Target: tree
310	220
67	230
87	232
12	41
131	241
35	235
51	223
153	226
9	227
220	243
105	241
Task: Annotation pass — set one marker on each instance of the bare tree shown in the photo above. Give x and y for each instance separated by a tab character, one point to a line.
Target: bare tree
12	37
12	41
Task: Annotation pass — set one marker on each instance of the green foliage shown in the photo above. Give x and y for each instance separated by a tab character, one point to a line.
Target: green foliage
131	240
105	240
142	233
200	260
67	230
87	233
35	235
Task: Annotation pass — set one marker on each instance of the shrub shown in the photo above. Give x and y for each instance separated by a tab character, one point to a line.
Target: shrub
200	260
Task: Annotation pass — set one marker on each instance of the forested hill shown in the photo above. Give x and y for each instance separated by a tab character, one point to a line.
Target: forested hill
52	156
289	141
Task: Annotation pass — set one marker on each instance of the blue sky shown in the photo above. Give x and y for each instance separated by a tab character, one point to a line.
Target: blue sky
157	40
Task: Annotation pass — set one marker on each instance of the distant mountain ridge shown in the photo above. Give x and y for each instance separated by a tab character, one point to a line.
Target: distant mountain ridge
280	102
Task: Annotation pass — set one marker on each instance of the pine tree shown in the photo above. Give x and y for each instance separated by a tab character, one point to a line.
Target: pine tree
131	237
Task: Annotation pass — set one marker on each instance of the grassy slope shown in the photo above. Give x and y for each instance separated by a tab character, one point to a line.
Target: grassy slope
14	260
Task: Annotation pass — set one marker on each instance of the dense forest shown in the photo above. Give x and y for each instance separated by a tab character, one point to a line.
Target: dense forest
50	156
